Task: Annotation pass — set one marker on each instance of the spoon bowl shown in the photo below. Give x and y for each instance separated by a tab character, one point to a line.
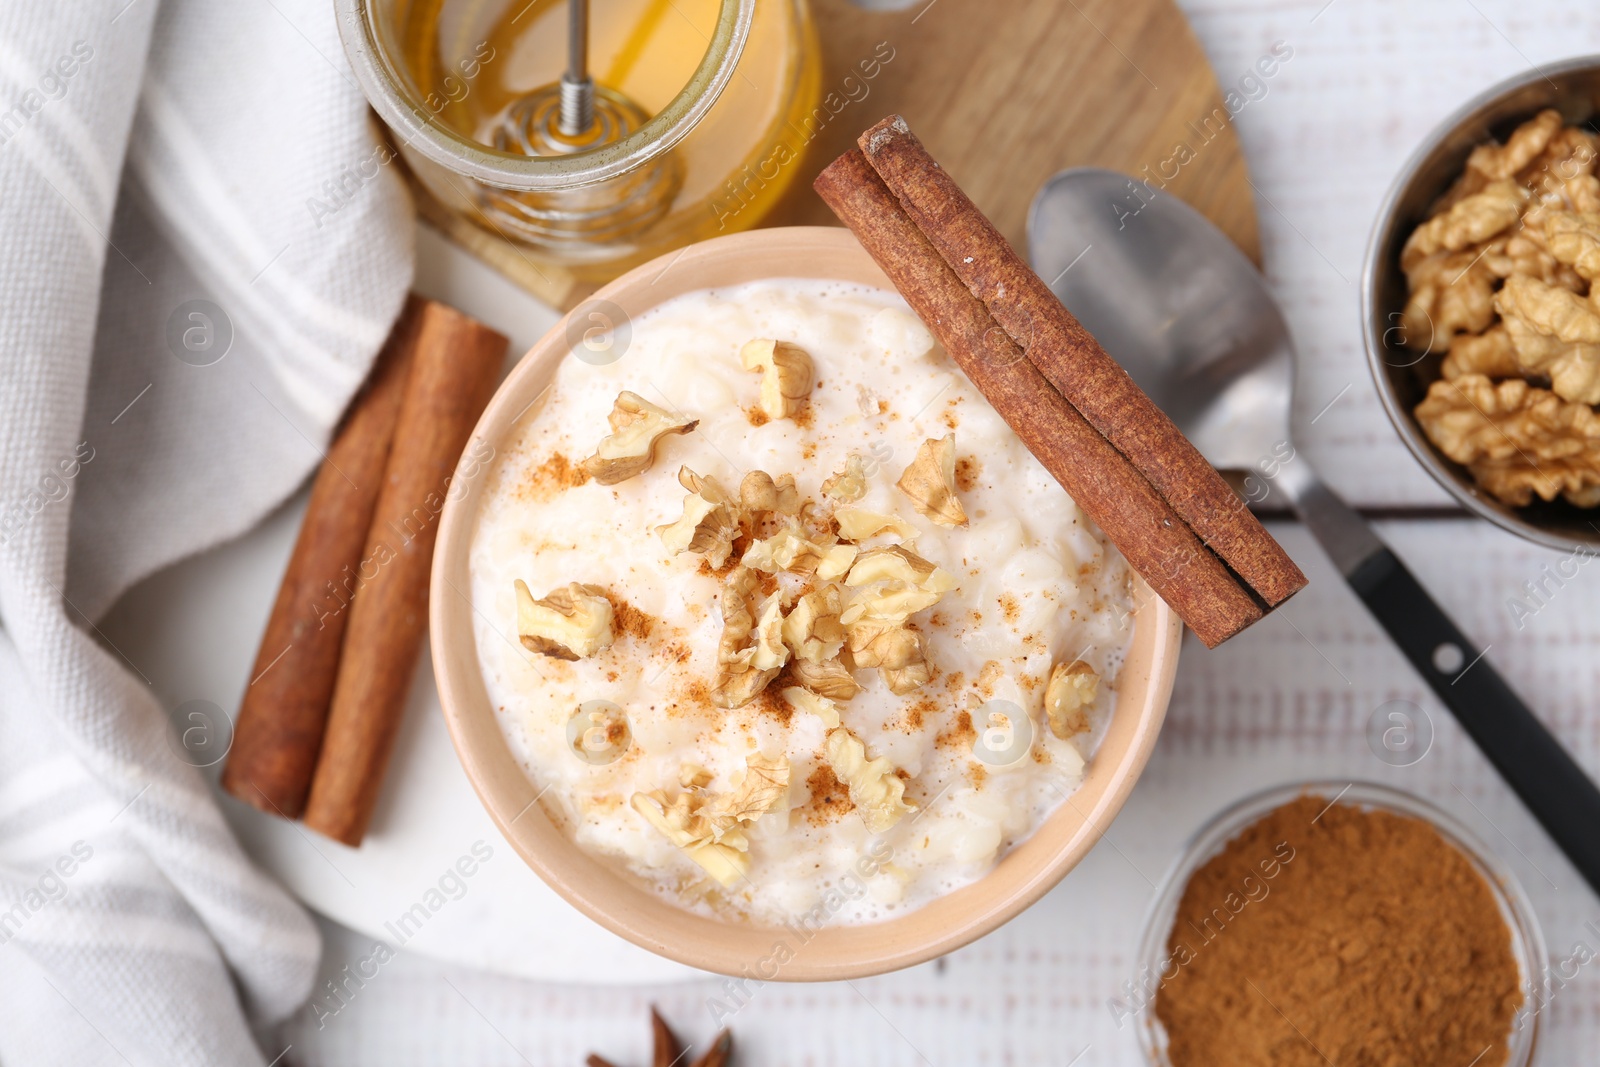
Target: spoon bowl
1175	302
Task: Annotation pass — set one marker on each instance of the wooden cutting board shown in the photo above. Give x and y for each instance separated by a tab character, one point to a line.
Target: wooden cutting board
1004	95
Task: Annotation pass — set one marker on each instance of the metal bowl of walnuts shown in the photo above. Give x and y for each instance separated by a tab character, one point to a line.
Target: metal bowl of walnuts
1481	326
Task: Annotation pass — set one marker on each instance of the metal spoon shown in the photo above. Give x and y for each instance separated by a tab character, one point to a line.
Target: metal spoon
1190	318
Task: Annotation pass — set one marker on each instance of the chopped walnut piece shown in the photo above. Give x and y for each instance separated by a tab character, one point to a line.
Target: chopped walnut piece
637	426
1471	221
751	651
1497	162
836	561
1516	439
710	829
896	563
710	520
849	484
1490	353
693	776
787	550
875	790
892	584
759	493
829	678
930	482
812	630
1067	696
858	524
721	860
769	653
903	681
763	785
897	651
812	703
884	644
570	623
785	374
1554	332
682	822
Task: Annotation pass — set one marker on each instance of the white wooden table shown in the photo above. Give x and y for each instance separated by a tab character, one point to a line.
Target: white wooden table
1366	82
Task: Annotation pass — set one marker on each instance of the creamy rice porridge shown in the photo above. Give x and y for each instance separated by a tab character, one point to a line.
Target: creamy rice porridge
782	613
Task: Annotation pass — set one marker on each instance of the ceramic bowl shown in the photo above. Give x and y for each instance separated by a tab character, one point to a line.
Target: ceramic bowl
610	896
1402	375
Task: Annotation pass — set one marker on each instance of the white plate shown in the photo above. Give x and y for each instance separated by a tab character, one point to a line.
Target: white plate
193	629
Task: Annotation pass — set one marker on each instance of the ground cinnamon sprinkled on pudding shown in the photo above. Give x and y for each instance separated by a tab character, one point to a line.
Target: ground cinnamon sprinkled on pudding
967	471
830	798
915	714
629	619
1337	935
554	475
959	734
1008	607
756	416
770	703
990	674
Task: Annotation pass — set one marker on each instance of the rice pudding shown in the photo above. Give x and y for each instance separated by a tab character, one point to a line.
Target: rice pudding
781	616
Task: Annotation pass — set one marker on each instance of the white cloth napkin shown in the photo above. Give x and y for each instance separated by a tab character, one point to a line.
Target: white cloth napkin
155	154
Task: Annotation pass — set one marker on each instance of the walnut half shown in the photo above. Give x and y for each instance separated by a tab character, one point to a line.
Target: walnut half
1516	439
1555	332
569	623
636	427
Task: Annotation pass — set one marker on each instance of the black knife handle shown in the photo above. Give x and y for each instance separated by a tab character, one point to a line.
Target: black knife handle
1534	764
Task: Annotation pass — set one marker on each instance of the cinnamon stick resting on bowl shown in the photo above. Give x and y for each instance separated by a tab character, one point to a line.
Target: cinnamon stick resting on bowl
1157	543
1073	361
454	372
285	707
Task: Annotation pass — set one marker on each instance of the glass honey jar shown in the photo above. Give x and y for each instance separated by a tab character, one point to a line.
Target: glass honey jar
695	107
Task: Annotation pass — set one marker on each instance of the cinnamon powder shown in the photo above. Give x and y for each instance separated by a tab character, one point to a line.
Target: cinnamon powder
1340	937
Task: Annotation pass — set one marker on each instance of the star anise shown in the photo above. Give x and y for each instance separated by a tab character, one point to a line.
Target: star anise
668	1052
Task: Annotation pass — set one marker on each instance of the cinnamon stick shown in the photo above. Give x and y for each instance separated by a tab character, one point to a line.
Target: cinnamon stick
453	374
1158	544
1074	362
279	729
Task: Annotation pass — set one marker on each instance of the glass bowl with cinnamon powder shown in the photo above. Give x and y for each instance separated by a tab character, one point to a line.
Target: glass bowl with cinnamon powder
1339	923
